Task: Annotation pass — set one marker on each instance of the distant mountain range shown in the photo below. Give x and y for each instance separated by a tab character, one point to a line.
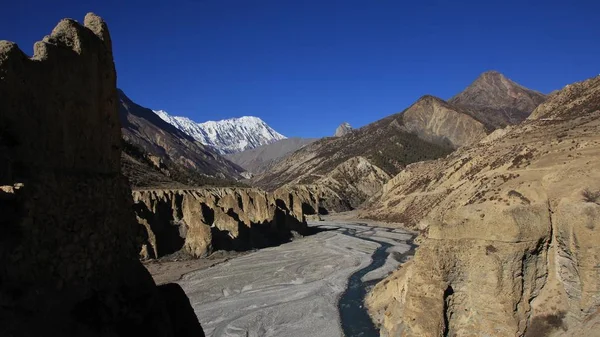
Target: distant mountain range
352	167
226	136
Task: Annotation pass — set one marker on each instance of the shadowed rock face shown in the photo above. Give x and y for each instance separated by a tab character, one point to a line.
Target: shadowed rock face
509	226
175	155
200	221
68	237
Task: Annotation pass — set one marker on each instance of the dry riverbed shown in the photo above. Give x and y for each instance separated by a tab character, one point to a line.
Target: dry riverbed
300	288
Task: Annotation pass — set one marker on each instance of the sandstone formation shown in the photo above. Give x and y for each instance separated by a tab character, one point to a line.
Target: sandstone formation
343	129
199	221
496	101
438	122
510	230
68	238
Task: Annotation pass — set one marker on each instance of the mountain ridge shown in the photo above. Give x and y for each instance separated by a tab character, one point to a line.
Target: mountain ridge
227	136
156	152
497	101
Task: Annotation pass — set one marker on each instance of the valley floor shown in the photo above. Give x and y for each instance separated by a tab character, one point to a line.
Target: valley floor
295	289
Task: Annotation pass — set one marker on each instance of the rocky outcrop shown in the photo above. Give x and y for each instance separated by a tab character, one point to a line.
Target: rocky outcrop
200	221
68	237
343	129
509	230
438	122
496	101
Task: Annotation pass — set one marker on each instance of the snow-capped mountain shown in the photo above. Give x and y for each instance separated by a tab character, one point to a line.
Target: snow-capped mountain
226	136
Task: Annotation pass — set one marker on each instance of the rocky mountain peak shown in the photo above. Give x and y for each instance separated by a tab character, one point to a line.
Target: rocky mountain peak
497	100
430	99
343	129
227	136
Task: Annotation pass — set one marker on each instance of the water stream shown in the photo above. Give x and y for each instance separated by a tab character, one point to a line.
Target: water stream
354	316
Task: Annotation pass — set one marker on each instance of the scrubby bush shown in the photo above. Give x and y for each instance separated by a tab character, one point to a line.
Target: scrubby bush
591	196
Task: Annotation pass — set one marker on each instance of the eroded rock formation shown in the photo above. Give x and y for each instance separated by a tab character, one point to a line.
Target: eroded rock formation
510	230
203	220
68	238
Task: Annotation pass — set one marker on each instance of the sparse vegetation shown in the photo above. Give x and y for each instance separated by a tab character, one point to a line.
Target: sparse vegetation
513	193
141	172
591	196
489	249
542	326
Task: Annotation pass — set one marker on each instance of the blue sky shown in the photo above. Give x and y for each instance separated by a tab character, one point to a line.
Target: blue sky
305	66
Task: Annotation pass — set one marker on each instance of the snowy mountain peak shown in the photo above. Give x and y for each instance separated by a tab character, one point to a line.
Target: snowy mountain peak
228	135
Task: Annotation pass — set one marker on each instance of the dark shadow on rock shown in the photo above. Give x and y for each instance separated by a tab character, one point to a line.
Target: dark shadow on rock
165	228
183	319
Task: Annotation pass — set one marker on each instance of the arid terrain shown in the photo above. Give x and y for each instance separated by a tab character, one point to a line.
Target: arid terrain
292	289
477	215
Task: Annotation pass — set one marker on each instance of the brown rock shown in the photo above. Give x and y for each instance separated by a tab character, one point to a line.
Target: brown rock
496	101
509	243
437	121
68	238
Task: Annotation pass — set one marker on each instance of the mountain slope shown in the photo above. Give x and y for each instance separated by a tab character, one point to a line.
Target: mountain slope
259	159
153	144
385	144
497	101
226	136
439	122
510	229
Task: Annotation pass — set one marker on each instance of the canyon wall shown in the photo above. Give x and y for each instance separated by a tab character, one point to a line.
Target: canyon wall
509	231
68	238
202	220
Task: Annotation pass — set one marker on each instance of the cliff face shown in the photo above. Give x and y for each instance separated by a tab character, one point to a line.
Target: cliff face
509	230
200	221
68	238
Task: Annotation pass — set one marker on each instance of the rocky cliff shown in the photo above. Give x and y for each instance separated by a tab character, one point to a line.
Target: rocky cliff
199	221
509	230
68	237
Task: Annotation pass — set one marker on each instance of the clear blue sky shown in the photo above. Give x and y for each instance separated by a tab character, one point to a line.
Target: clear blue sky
304	66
